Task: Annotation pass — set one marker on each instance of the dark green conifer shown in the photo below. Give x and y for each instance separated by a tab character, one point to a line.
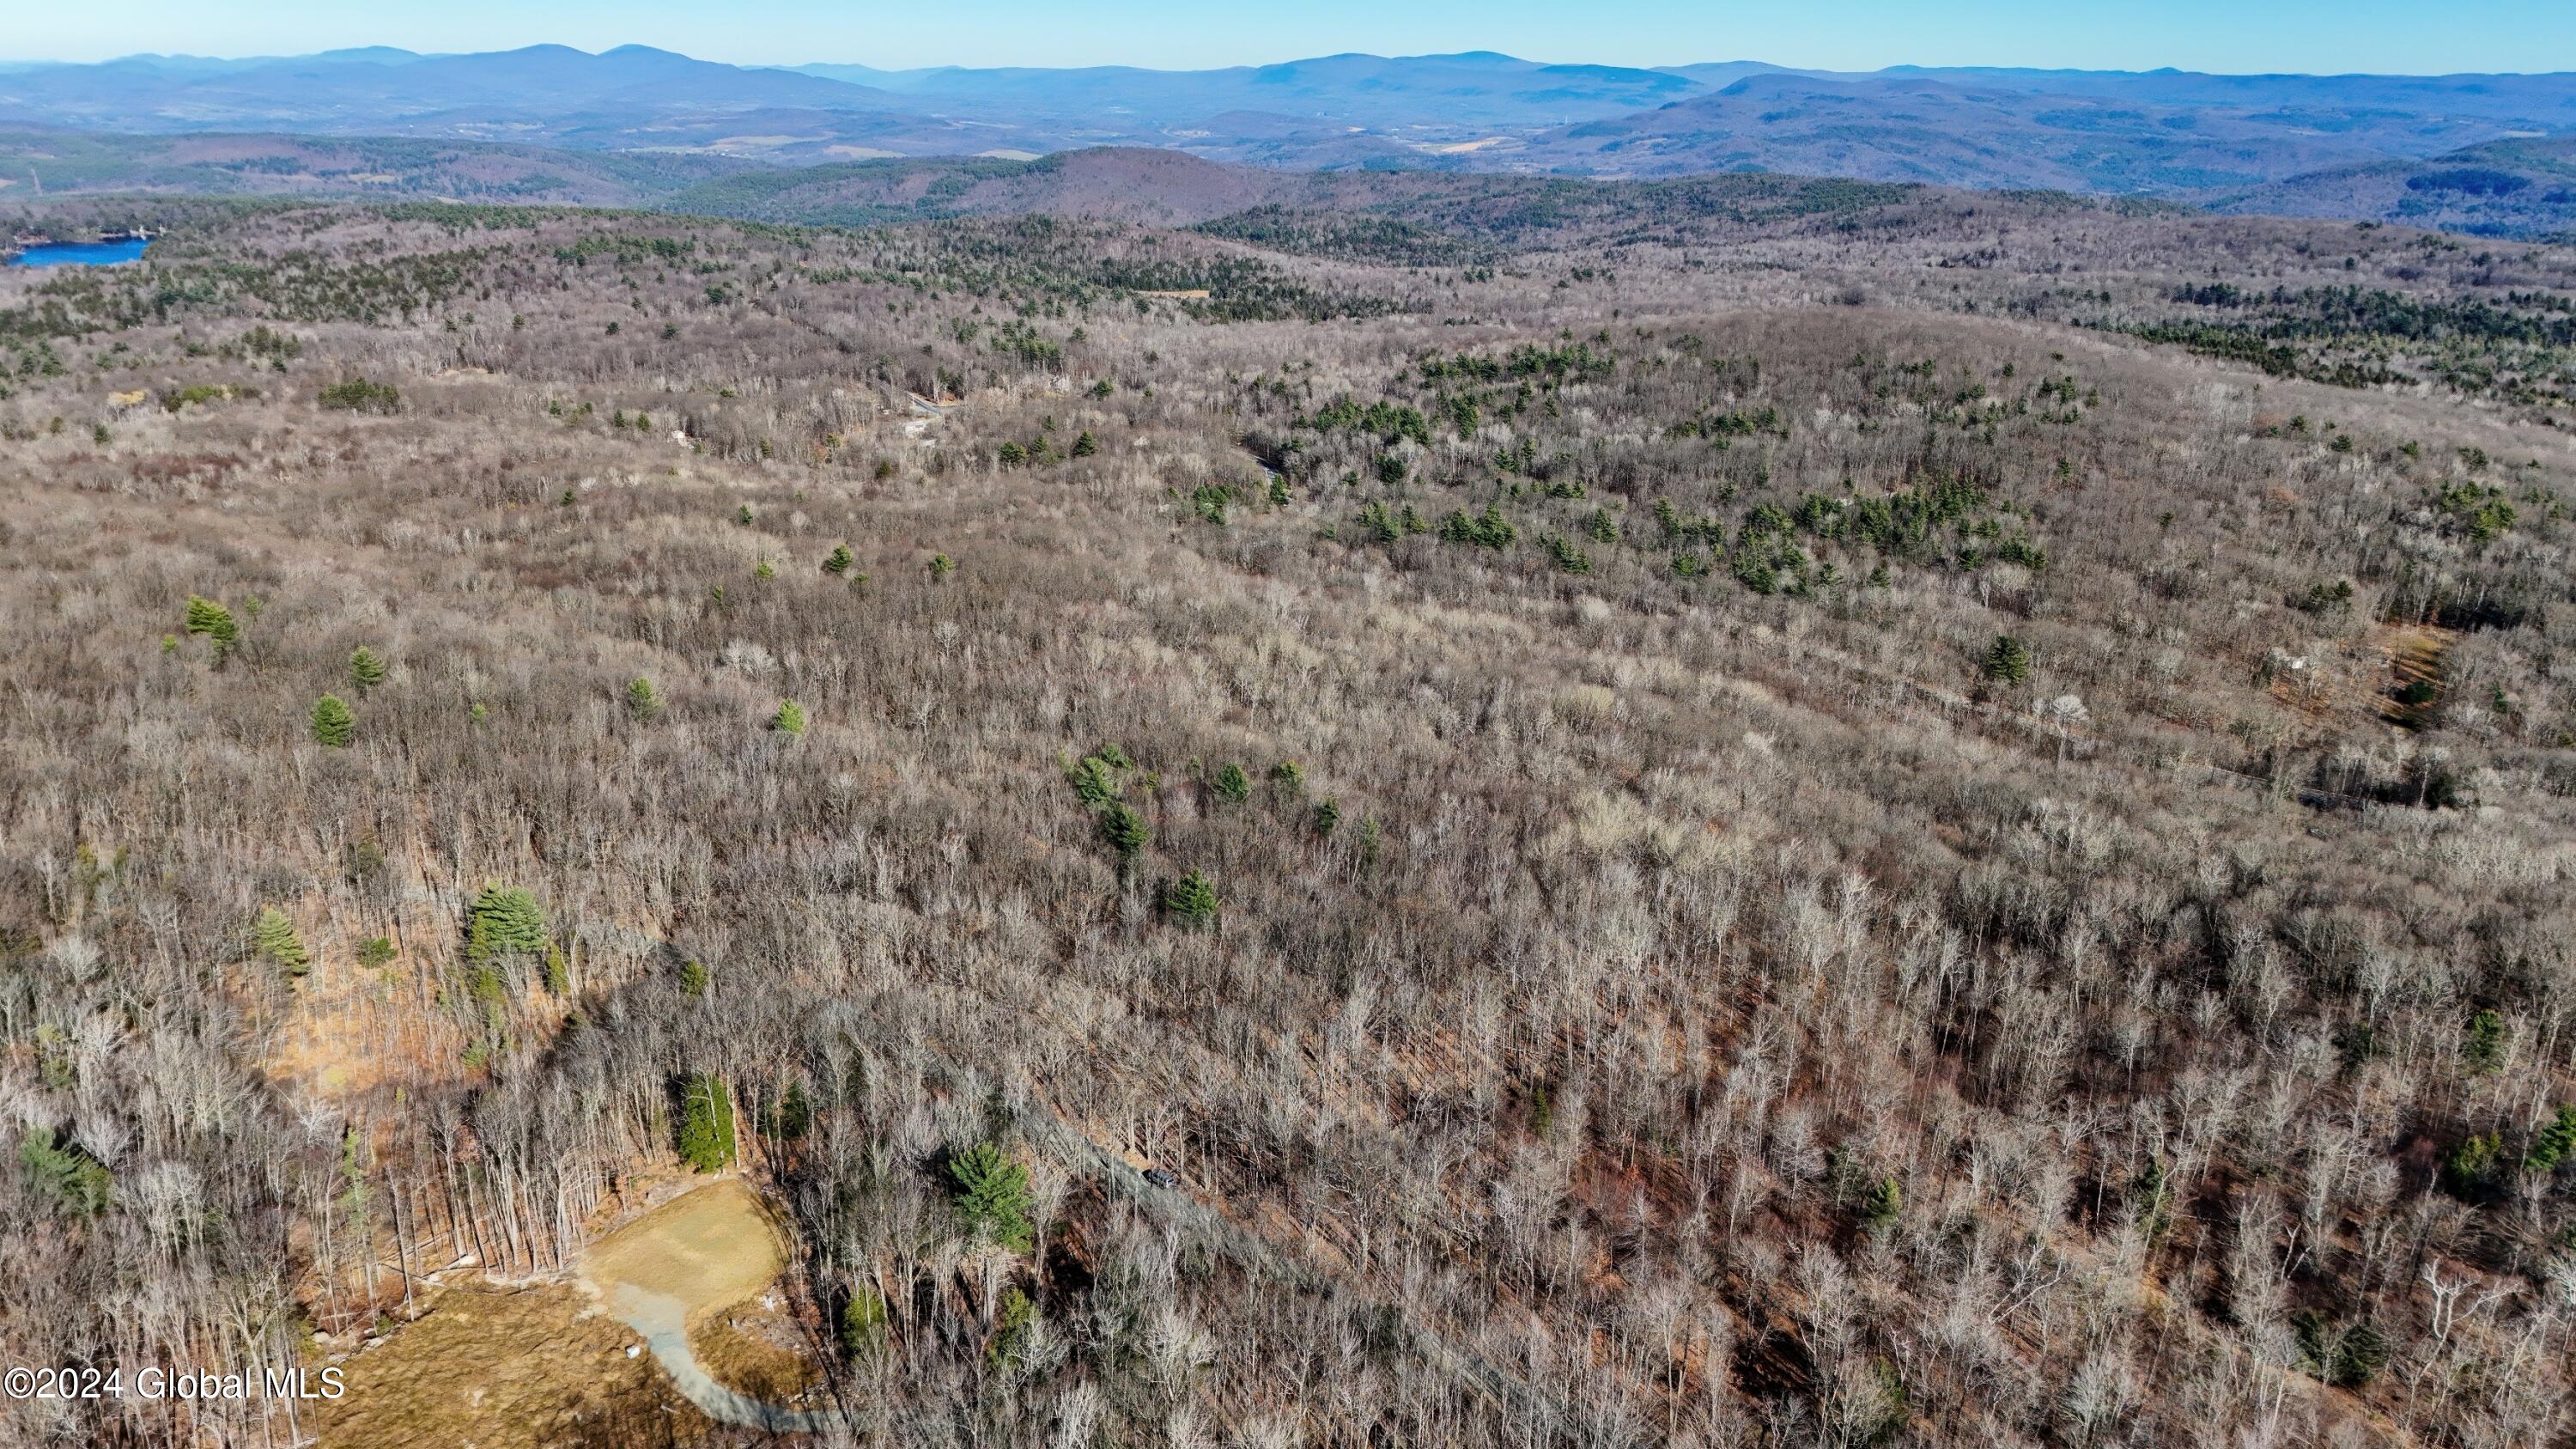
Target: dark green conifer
503	921
2008	660
1190	901
706	1123
333	724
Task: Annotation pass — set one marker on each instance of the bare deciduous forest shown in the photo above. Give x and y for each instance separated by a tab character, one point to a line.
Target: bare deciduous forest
1733	813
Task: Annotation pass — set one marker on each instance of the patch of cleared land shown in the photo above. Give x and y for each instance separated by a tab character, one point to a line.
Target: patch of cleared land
707	1249
756	1352
491	1368
692	1276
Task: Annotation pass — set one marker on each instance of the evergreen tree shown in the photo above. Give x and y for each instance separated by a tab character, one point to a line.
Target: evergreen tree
490	990
1096	777
1382	526
992	1194
366	668
1190	900
790	719
2553	1144
2155	1201
1886	1201
706	1123
353	1174
643	701
2346	1355
1327	815
1011	1330
333	725
1084	445
78	1182
2483	1049
1123	828
1486	530
840	560
214	621
273	936
2470	1166
503	921
941	566
1233	784
1569	559
693	978
863	1321
2008	660
558	971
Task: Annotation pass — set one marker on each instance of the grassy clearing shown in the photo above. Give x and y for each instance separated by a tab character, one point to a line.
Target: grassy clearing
494	1369
754	1352
710	1249
490	1369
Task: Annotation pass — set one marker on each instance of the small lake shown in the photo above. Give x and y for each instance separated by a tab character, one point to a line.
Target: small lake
81	254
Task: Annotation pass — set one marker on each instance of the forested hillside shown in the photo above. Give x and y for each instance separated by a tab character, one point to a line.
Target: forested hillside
1778	813
2360	146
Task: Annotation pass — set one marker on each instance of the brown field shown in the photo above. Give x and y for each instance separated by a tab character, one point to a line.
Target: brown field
710	1248
493	1368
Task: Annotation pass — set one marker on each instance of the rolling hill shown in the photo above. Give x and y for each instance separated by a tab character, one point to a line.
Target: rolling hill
2379	147
2521	187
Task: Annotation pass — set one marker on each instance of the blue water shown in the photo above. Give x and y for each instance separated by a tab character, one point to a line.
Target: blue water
81	254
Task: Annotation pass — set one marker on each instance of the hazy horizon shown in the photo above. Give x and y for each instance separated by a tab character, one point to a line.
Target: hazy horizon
2306	37
245	57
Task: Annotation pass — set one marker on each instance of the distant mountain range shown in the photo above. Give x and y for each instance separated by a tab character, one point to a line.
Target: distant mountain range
2475	152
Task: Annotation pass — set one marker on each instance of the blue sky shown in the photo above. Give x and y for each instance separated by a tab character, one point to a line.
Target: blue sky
2418	36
